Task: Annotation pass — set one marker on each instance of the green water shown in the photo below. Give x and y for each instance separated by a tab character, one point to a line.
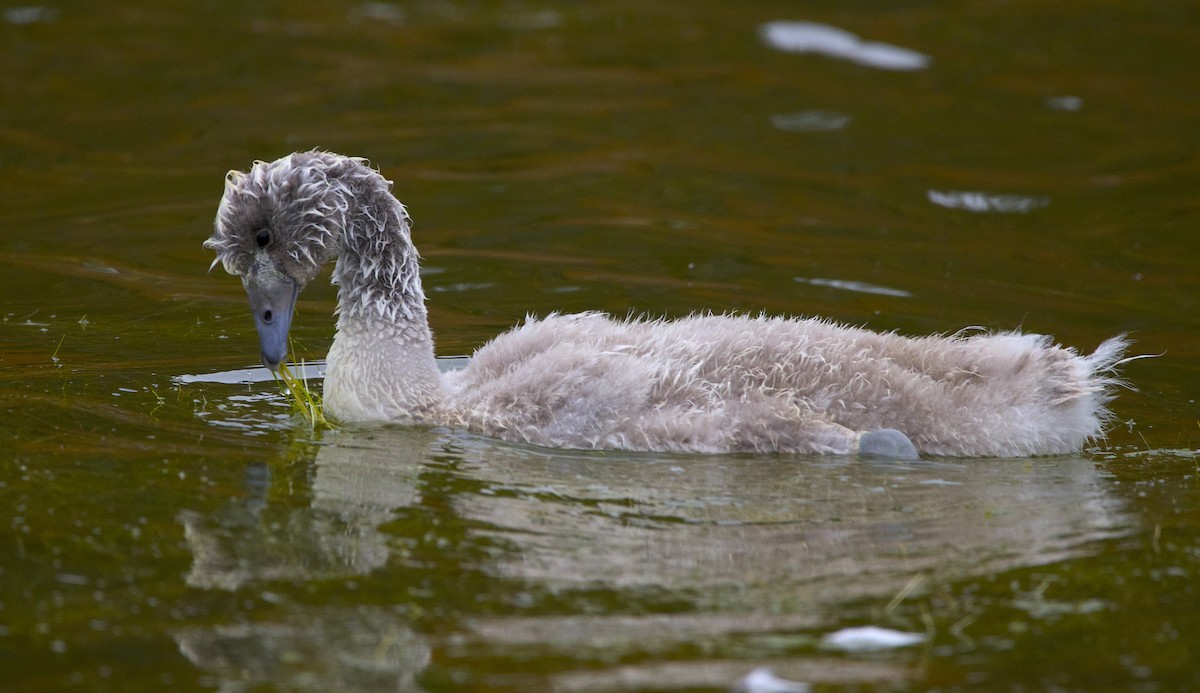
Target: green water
159	529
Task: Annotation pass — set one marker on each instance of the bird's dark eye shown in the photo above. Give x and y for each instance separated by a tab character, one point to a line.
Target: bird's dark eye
262	238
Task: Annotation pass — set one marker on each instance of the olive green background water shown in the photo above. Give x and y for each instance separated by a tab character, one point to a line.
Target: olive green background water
163	530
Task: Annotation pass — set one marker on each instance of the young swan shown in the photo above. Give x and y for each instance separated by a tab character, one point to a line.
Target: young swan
706	383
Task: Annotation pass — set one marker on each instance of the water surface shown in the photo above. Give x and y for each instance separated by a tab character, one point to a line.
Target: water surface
169	524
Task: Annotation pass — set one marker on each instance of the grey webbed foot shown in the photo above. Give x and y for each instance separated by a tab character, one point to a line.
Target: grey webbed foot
889	443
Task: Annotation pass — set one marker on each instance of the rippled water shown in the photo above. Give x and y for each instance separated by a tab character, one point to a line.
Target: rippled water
169	522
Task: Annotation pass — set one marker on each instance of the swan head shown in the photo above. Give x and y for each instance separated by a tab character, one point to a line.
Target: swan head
276	225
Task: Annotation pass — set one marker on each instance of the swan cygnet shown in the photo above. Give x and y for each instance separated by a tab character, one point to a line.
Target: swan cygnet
704	383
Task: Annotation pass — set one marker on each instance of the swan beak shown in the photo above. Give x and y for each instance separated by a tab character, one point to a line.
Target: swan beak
273	299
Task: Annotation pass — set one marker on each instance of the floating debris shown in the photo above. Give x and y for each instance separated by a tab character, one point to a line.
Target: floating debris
867	638
763	680
986	202
810	37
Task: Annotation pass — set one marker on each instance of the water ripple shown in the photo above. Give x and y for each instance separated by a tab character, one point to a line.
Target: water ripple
860	287
24	16
810	121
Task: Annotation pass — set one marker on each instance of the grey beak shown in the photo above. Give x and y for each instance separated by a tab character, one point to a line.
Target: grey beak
273	299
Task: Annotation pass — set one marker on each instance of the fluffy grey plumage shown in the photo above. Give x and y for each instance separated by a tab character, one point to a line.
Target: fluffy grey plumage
707	383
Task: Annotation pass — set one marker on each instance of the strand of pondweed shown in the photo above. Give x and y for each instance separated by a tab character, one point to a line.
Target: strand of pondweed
304	401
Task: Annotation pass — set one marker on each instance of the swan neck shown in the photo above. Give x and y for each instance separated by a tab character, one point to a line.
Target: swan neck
375	374
378	268
381	364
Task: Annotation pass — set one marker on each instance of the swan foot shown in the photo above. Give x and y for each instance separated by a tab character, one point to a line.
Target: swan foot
889	443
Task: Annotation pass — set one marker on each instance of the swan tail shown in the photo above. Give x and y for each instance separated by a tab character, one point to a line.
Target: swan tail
1102	380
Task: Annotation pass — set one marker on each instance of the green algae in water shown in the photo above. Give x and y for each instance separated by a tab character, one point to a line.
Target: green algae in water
305	401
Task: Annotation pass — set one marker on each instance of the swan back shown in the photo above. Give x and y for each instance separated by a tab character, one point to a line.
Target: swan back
710	383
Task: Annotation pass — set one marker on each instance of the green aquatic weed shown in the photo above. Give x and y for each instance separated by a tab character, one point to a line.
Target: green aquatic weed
305	401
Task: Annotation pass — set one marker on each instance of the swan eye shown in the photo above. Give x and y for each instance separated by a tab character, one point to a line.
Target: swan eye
262	238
